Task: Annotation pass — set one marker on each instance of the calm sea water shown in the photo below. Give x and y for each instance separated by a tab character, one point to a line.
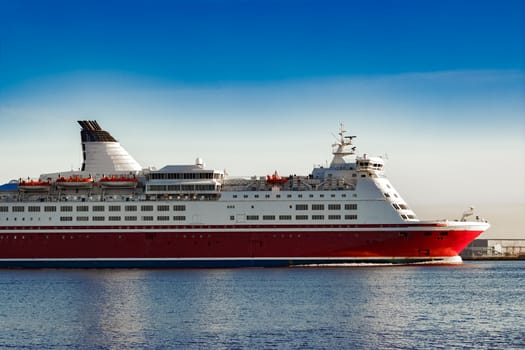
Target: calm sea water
478	305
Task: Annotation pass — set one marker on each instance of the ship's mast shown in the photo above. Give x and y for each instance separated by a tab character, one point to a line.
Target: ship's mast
339	148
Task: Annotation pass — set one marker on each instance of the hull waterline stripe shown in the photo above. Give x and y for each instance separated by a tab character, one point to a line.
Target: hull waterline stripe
221	262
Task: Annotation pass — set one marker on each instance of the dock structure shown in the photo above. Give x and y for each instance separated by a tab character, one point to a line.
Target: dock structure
494	249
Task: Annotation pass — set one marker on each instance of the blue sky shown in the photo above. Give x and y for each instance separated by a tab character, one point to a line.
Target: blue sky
222	41
258	86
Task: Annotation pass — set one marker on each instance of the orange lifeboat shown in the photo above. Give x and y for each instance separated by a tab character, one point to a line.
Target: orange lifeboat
32	185
75	182
119	181
276	179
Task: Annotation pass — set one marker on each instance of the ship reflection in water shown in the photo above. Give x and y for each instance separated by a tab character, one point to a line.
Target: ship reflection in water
117	311
475	305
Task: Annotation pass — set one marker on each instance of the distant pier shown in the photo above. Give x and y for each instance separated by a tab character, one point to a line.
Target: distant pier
495	249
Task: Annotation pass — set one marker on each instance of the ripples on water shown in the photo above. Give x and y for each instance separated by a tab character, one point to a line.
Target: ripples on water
475	305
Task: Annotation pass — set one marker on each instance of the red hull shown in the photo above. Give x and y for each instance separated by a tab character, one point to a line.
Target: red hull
324	242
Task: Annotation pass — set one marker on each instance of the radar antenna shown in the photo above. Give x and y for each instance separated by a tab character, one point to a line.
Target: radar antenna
339	148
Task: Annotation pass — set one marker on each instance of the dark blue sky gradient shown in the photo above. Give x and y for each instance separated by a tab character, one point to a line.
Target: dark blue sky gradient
207	42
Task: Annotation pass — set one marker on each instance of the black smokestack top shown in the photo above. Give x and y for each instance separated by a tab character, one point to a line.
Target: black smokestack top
92	132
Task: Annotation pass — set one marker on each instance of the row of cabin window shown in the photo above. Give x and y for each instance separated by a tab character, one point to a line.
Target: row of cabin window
410	216
115	208
348	206
126	218
399	206
298	217
163	188
289	196
183	176
96	208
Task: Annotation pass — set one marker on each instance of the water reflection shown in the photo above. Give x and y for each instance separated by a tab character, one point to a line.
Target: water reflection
329	308
114	310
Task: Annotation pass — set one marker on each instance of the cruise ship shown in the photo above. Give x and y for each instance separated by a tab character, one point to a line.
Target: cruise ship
113	213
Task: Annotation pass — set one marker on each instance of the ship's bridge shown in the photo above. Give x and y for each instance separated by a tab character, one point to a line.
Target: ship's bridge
370	165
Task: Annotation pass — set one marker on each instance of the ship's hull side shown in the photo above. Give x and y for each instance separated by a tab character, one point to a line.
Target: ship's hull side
228	246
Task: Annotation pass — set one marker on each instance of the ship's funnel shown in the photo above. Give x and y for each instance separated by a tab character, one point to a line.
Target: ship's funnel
102	153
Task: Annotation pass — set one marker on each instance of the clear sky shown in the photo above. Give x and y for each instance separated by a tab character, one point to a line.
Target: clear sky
258	86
